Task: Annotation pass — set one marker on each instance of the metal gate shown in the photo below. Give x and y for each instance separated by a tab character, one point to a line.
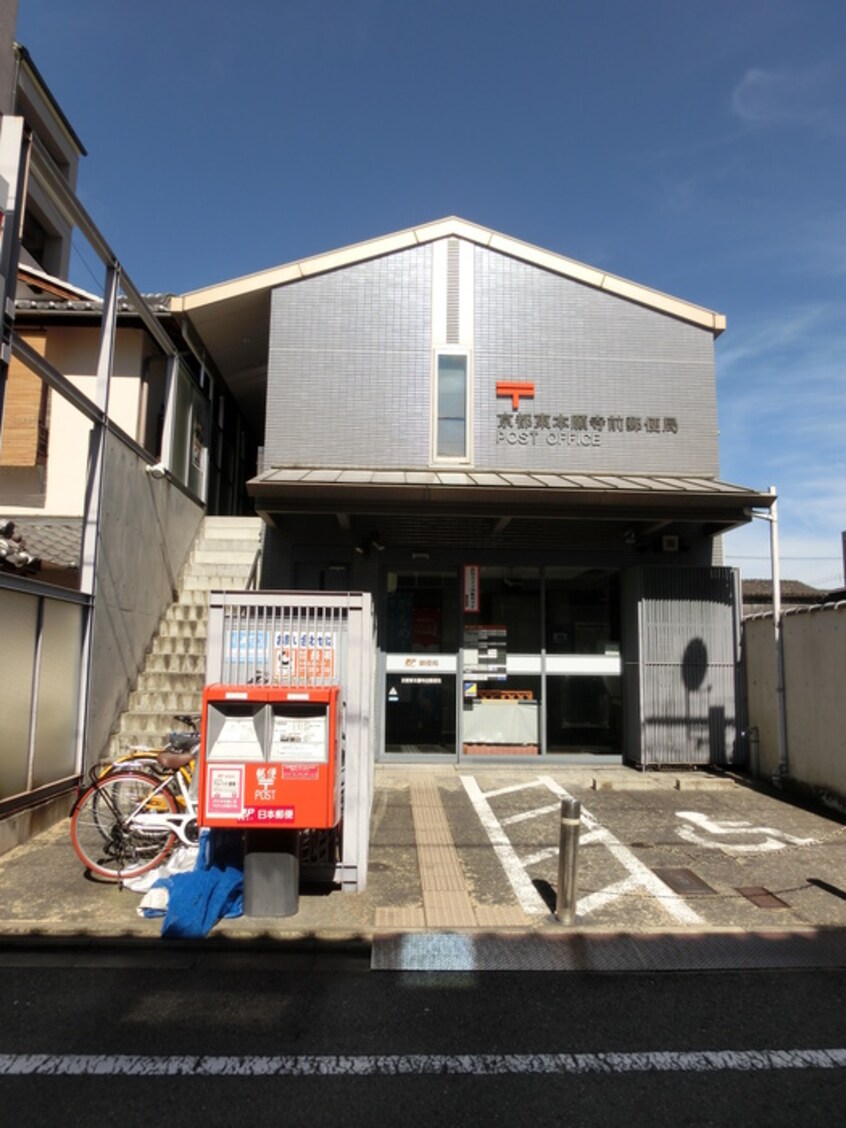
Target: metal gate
286	638
681	679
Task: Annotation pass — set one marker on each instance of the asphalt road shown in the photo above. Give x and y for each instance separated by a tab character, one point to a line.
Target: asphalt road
101	1036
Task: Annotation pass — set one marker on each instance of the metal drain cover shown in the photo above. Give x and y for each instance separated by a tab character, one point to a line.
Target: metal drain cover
682	881
761	897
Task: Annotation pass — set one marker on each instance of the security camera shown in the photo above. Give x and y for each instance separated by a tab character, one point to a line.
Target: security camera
157	470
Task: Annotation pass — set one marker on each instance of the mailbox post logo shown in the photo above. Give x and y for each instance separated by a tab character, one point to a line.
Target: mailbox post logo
265	785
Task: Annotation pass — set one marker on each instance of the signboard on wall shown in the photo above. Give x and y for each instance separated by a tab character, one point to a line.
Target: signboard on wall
471	589
485	653
305	656
565	425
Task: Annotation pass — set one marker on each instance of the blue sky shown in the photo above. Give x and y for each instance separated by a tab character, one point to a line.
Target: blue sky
698	148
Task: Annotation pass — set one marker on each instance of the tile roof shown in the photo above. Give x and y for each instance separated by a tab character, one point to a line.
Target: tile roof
53	540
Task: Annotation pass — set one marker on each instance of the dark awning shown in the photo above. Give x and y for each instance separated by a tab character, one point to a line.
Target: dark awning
286	489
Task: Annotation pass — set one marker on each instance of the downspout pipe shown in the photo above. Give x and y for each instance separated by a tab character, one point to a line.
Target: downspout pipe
778	642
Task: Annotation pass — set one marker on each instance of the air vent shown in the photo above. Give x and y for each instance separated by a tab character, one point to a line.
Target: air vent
453	281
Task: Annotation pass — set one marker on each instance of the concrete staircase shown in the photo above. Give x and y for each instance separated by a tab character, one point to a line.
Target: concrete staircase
174	673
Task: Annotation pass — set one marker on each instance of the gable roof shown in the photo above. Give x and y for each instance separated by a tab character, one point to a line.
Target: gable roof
230	321
452	226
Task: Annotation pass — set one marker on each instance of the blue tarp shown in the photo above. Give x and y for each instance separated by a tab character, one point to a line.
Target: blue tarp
214	889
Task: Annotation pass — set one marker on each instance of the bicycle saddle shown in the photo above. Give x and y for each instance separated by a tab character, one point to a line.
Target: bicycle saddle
174	760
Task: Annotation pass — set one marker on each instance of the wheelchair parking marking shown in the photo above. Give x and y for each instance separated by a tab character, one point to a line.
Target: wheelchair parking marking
773	838
525	816
605	896
640	877
639	874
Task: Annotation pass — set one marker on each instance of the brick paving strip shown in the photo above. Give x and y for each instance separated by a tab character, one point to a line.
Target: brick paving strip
446	902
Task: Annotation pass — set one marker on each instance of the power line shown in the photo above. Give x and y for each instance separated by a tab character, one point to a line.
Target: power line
735	556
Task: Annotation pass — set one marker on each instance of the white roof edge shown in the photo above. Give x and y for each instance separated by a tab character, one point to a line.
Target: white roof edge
37	274
451	226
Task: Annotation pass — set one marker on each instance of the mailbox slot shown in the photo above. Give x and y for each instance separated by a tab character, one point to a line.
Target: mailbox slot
270	757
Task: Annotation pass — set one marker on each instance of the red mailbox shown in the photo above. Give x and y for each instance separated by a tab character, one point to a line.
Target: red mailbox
270	757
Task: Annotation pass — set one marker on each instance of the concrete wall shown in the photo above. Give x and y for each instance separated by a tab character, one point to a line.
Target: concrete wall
815	703
148	526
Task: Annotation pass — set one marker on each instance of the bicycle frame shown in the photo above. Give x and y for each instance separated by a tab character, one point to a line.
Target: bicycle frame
155	822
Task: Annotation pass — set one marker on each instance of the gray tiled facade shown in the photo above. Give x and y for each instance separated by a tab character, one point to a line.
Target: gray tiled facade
349	380
589	353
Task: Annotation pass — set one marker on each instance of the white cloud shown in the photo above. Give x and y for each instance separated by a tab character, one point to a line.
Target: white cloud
774	334
806	98
783	421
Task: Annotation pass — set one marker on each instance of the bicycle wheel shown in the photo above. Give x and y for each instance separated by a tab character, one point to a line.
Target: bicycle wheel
104	835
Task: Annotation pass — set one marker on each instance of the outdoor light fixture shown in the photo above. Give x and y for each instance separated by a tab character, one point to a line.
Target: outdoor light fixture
371	541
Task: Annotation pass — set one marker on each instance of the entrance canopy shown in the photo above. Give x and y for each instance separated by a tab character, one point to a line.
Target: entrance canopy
655	501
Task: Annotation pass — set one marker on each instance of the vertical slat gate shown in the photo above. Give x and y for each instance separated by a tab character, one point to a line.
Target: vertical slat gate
688	659
310	640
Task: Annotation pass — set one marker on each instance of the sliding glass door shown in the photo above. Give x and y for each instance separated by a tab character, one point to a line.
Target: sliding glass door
510	661
421	635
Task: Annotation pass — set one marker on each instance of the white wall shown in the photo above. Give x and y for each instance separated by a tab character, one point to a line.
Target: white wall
73	352
815	694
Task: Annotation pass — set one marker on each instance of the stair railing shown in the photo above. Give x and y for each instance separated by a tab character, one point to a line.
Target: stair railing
252	579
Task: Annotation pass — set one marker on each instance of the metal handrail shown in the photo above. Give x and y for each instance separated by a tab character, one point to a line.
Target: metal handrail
252	579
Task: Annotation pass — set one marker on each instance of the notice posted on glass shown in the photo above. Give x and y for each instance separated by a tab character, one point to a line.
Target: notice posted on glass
302	739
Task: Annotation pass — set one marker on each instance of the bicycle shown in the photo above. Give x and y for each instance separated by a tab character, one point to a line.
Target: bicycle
146	758
130	818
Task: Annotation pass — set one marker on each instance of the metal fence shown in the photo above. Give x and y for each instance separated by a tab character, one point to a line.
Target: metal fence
684	678
310	639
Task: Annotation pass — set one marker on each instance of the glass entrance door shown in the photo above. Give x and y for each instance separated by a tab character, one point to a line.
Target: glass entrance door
584	712
528	664
422	641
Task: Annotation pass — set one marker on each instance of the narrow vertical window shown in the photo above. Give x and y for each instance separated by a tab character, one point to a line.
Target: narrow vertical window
451	433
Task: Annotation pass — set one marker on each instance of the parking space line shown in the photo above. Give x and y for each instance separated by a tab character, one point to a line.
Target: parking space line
528	898
539	856
512	788
602	897
229	1066
642	876
525	816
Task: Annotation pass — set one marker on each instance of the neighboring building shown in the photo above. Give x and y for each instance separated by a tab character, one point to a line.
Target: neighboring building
517	455
8	20
96	391
46	238
758	596
42	462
